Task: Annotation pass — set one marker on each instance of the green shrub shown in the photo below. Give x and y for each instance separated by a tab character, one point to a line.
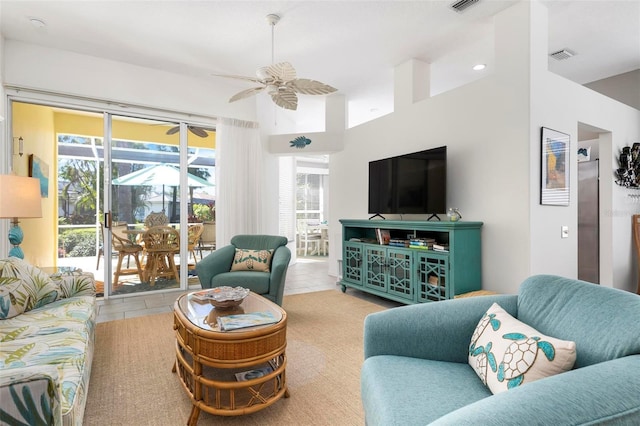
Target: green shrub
203	212
77	242
84	248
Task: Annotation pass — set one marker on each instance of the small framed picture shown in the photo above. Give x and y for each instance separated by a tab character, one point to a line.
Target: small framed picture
39	169
554	185
584	154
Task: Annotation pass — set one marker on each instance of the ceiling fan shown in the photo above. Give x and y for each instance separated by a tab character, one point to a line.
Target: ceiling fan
279	80
201	132
196	130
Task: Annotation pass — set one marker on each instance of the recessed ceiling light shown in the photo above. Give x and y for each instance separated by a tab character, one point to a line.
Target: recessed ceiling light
37	22
479	67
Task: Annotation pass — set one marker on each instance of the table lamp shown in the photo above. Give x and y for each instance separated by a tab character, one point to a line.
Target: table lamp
19	198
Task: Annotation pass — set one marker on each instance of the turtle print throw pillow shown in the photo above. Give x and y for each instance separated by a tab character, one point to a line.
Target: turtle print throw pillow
252	260
506	353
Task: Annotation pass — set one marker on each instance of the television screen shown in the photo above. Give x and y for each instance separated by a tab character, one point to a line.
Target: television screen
413	183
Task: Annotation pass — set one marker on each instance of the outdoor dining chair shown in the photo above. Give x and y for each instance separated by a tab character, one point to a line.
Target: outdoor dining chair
193	234
121	243
161	243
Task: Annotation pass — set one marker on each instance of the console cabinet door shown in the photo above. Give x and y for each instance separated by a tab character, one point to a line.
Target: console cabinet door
375	275
352	265
432	277
400	269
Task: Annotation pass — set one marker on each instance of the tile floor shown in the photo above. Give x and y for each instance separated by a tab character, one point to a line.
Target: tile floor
307	275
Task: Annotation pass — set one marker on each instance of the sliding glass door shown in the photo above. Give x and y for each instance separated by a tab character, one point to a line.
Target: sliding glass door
109	176
144	180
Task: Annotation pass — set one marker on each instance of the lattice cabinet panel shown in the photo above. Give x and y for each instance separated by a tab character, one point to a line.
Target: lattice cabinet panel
352	262
432	277
400	269
375	267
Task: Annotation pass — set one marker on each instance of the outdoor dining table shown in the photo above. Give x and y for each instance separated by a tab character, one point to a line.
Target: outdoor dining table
137	235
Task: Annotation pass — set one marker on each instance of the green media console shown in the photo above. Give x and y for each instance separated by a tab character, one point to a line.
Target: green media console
406	274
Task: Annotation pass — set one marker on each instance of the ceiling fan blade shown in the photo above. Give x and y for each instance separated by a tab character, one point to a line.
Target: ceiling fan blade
238	77
310	87
286	99
198	131
282	71
246	93
173	130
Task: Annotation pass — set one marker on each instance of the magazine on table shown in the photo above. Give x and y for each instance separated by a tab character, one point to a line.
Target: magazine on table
234	322
255	373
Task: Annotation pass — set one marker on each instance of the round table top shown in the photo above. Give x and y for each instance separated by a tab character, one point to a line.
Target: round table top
204	315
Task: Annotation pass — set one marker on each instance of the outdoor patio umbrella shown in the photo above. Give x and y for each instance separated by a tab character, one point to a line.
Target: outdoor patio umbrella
159	174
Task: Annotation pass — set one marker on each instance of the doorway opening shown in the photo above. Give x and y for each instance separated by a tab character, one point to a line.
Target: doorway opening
588	203
312	206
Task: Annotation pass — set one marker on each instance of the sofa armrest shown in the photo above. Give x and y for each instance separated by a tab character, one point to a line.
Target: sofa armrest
30	395
438	331
75	284
216	263
603	394
279	267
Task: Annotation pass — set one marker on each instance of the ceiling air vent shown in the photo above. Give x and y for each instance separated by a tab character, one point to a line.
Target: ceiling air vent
461	5
563	54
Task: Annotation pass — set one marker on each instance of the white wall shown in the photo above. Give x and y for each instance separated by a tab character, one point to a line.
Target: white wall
4	146
624	87
3	112
61	71
492	130
563	105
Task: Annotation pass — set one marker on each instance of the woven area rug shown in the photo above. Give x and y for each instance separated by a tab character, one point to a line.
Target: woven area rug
132	383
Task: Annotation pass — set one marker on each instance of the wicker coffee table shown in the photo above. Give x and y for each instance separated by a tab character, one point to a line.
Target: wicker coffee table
229	373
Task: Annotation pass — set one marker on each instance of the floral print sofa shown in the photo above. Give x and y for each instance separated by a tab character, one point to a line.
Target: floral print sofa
47	338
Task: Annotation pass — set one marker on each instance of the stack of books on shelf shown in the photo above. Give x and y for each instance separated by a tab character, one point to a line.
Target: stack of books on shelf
441	247
398	242
422	243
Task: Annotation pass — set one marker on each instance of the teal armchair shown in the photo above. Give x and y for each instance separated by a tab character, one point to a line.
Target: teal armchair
215	269
416	369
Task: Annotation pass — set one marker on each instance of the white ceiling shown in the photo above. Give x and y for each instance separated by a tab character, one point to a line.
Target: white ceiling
352	45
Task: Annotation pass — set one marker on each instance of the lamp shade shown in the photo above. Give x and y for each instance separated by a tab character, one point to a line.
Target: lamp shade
19	197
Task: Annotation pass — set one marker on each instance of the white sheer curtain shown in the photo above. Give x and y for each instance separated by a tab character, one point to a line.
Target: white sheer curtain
239	179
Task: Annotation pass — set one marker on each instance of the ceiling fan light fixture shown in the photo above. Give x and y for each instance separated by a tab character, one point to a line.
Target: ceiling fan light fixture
272	19
272	89
279	80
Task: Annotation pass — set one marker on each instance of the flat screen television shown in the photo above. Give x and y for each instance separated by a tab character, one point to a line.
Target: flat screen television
413	183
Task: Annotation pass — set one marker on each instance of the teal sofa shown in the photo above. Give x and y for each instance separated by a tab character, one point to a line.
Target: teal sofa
47	339
416	369
215	269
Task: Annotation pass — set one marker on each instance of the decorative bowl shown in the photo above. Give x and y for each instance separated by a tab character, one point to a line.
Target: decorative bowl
227	297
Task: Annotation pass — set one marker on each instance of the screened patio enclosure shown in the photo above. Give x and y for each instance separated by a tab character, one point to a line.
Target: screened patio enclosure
85	151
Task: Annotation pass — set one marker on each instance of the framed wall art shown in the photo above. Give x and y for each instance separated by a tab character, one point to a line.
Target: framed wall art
554	185
40	170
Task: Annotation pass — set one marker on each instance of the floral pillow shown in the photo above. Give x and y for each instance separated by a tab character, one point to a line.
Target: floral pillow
505	353
23	287
252	260
75	283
